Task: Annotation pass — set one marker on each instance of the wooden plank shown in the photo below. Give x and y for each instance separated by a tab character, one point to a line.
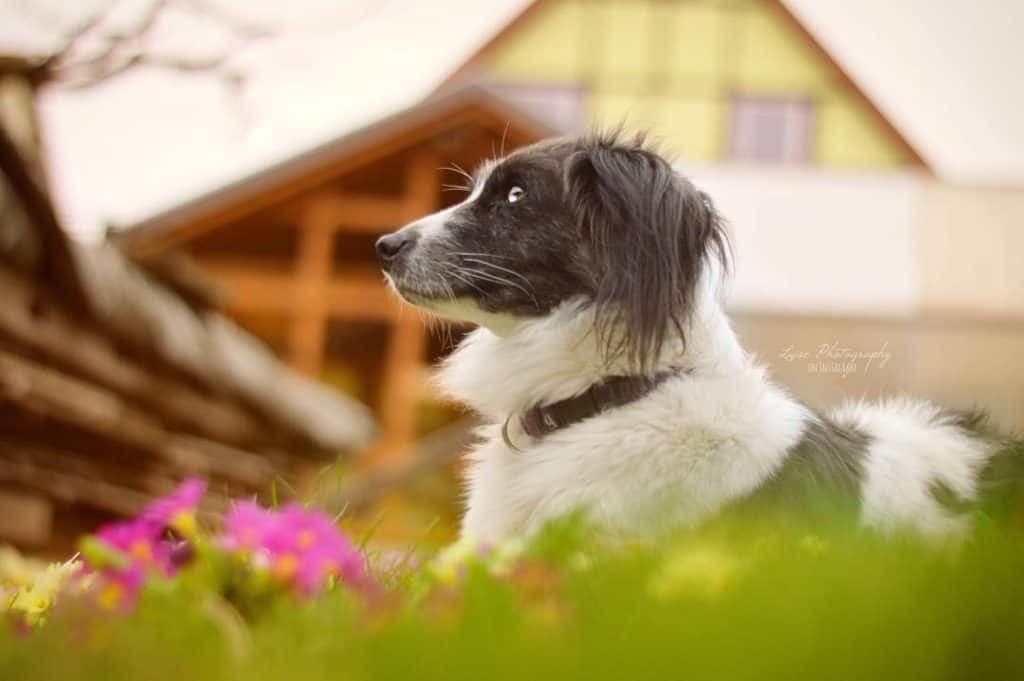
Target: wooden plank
356	294
401	386
361	213
252	286
362	299
368	213
404	366
312	275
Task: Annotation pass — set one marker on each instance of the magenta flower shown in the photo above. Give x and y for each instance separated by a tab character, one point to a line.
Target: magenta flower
118	590
300	547
177	509
138	542
246	527
155	542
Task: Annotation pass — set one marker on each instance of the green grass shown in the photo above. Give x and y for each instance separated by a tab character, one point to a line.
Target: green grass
746	598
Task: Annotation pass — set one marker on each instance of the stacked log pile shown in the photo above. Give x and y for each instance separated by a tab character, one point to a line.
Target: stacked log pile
118	379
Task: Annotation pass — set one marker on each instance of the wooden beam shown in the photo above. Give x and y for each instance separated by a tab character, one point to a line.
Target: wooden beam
361	213
403	370
369	213
356	294
362	299
312	274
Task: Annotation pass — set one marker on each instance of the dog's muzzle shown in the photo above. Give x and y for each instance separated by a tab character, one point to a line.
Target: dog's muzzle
393	249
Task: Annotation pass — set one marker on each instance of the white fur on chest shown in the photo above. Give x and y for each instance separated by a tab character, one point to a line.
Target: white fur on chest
673	457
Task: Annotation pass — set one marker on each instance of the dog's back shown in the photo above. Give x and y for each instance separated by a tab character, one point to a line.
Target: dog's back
901	464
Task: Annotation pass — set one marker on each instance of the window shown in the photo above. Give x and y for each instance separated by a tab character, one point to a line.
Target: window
773	130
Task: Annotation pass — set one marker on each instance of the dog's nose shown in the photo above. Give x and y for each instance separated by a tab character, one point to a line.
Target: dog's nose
390	246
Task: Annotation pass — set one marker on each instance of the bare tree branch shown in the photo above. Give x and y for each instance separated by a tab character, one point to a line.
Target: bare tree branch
75	65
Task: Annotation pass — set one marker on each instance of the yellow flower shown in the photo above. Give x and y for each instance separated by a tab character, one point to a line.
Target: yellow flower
35	600
705	572
505	555
17	570
452	559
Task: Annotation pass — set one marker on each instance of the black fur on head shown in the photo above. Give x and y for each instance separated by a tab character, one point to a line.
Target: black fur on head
651	234
601	218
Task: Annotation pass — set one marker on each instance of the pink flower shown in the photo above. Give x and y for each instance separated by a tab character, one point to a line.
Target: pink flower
155	542
301	547
246	527
118	590
177	509
138	542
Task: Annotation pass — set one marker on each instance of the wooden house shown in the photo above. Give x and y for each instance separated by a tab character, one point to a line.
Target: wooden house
292	246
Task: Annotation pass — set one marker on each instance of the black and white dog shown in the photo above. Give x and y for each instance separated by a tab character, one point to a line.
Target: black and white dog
610	375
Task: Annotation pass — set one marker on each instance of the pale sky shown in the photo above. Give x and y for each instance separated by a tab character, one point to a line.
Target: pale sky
151	138
949	74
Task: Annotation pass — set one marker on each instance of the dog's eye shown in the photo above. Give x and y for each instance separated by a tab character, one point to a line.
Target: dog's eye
516	194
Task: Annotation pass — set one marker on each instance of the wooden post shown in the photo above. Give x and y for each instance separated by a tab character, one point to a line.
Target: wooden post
404	369
312	279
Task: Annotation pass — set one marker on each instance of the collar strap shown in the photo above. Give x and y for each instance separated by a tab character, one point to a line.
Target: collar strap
614	391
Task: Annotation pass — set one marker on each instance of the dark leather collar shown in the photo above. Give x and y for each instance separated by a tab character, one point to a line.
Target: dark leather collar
614	391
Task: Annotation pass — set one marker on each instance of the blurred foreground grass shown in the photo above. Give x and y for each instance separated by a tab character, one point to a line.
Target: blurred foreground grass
744	598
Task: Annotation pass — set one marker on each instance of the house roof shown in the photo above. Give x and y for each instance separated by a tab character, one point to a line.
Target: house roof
470	104
949	75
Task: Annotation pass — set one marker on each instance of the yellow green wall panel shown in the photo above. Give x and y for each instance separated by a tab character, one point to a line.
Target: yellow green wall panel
674	66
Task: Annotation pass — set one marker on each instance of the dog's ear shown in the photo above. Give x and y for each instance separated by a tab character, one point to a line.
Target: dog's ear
650	234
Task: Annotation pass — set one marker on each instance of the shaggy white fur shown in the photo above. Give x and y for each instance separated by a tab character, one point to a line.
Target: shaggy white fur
685	450
913	447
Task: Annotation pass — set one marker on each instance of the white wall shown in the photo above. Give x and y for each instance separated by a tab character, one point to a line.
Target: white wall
816	241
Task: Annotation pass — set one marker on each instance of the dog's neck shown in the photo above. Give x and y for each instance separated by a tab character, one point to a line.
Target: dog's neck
546	360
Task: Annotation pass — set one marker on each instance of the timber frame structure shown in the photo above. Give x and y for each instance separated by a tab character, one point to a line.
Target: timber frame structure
292	246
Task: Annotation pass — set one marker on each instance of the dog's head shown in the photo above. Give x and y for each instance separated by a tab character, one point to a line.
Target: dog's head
599	220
